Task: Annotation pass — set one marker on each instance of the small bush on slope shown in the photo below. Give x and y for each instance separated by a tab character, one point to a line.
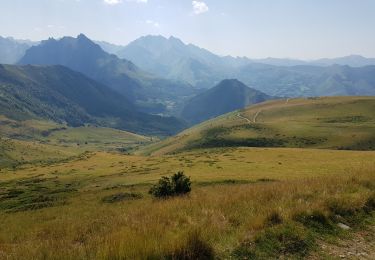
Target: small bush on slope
177	184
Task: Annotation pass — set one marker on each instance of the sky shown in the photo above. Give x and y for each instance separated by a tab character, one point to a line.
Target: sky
303	29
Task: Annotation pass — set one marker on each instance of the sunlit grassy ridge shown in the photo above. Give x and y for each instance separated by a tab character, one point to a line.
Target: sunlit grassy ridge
329	122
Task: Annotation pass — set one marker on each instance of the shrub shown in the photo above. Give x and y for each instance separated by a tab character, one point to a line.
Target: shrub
163	188
177	184
181	183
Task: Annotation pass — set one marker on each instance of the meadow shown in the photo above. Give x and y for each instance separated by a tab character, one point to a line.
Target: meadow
82	193
97	206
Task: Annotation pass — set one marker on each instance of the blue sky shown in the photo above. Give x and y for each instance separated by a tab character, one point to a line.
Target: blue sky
305	29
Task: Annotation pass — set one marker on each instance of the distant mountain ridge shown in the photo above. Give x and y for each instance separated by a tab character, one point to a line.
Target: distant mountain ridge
307	81
11	50
174	59
227	96
62	95
281	77
83	55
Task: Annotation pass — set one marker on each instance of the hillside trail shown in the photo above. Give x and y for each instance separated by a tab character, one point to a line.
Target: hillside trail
360	245
248	120
244	118
256	115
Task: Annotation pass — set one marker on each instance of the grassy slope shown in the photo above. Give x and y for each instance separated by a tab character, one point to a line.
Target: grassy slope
330	122
33	141
57	211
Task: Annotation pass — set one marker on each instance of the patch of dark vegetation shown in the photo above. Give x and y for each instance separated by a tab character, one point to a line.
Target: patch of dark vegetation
346	119
316	220
249	142
343	207
12	193
266	180
16	164
35	203
48	132
295	238
255	127
122	186
122	197
225	182
215	132
274	218
305	141
34	193
194	248
177	184
234	182
369	206
287	240
351	212
30	181
362	145
122	150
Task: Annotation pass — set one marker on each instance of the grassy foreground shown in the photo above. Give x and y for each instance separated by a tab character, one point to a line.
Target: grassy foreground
245	203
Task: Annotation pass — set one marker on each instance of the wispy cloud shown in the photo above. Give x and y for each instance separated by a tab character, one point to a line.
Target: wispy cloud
112	2
153	23
199	7
115	2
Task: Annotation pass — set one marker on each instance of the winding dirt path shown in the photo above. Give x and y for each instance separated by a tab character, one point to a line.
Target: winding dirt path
244	118
256	115
248	120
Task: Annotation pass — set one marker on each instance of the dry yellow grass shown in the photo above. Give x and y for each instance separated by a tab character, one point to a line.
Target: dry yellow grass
224	213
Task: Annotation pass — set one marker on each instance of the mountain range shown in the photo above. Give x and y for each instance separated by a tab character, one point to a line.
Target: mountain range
277	77
77	81
60	94
307	81
227	96
11	50
159	74
83	55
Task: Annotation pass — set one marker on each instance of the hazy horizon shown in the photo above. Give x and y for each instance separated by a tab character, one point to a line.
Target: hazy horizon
255	29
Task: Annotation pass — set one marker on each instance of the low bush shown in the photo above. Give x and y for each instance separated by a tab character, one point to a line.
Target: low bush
177	184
